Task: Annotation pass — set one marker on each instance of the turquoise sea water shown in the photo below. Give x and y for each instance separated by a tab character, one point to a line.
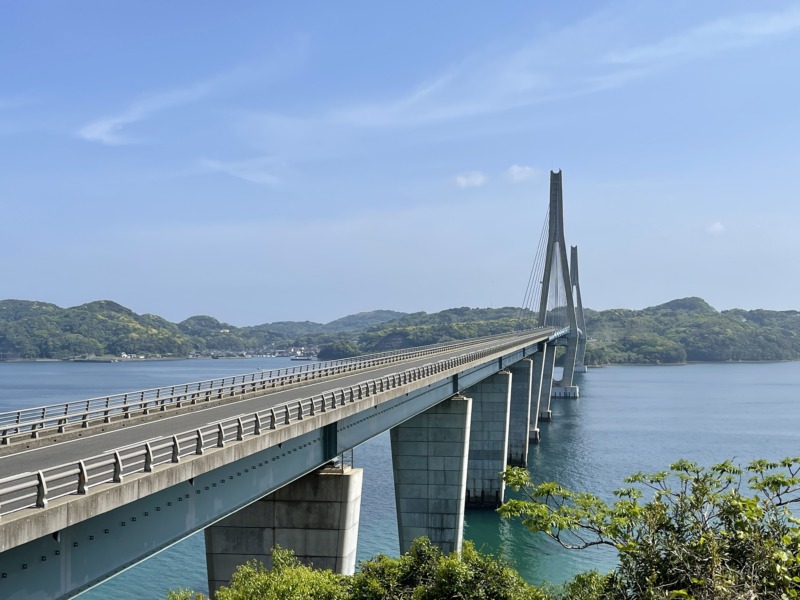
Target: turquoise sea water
628	419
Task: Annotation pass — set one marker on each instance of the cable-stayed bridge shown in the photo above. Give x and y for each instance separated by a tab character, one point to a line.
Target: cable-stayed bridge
89	488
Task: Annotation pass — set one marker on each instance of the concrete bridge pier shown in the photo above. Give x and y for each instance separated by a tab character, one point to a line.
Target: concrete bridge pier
537	379
518	426
429	460
546	389
488	442
316	516
565	388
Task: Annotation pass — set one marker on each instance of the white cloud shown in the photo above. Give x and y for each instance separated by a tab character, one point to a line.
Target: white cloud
470	179
715	228
559	64
723	34
108	130
257	170
517	173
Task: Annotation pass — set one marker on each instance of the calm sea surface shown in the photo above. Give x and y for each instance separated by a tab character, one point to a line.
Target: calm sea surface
628	419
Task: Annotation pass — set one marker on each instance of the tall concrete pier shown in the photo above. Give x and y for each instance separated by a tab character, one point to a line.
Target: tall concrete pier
429	459
488	441
545	361
520	417
316	516
537	392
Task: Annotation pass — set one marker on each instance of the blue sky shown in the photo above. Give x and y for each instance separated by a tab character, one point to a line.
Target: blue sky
264	161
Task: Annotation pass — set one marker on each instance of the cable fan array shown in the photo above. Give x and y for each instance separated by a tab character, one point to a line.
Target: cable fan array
555	313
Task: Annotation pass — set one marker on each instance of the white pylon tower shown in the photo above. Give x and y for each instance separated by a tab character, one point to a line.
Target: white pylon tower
556	258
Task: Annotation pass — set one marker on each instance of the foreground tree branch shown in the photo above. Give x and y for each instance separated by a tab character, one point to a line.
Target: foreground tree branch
701	533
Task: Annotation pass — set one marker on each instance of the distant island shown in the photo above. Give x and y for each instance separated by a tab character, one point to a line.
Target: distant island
679	331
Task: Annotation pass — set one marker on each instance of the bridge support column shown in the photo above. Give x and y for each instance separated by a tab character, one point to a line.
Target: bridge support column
546	389
570	358
565	387
537	380
429	459
488	442
316	516
520	415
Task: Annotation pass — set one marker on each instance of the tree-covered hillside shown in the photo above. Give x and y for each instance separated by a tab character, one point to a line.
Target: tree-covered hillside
39	330
419	329
691	330
678	331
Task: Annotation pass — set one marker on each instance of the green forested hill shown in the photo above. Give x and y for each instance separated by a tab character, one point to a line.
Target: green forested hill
40	330
418	329
30	330
691	330
361	320
682	330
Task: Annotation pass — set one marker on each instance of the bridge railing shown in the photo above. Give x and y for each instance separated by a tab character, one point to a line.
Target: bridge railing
32	422
559	333
35	490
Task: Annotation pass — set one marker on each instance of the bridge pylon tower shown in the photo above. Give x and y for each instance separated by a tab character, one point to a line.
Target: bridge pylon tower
556	277
580	355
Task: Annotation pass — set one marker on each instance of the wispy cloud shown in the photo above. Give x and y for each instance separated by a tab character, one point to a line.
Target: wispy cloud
711	38
715	228
517	173
283	59
573	61
479	85
258	170
470	179
109	130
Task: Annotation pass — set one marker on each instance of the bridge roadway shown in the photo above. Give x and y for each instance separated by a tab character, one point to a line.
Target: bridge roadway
197	416
201	464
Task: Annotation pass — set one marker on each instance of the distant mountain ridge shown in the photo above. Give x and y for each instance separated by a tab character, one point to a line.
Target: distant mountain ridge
31	329
686	329
689	329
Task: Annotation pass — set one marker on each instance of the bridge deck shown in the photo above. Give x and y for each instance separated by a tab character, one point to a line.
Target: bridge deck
78	449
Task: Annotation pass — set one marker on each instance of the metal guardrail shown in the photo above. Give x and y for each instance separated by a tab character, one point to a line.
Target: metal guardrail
559	333
31	422
35	490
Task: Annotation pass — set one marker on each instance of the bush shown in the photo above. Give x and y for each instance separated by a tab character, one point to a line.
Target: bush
702	535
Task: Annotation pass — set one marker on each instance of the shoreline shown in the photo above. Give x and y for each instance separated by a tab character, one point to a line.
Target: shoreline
104	359
694	362
115	359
